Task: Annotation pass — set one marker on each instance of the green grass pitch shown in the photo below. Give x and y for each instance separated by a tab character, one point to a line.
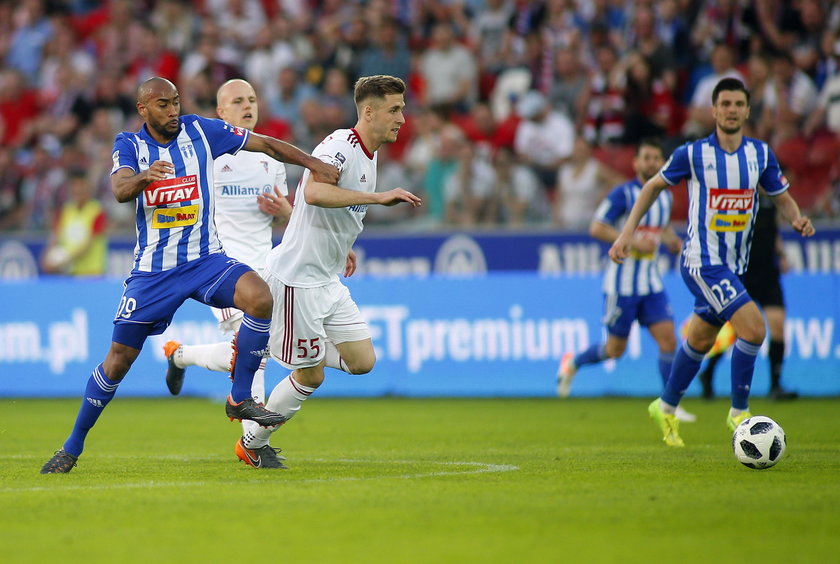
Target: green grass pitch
418	480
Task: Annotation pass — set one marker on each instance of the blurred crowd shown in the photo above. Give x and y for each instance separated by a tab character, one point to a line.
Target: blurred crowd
521	113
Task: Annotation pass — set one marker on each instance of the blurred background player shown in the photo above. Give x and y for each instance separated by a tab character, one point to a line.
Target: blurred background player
723	173
633	291
317	322
250	196
78	244
763	282
166	168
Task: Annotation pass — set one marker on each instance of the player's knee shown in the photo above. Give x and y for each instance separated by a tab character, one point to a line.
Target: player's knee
361	365
260	304
614	351
753	334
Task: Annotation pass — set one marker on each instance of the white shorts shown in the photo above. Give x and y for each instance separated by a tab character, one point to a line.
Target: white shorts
303	320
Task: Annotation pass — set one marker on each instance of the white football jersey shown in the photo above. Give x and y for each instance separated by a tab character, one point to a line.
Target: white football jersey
315	245
244	230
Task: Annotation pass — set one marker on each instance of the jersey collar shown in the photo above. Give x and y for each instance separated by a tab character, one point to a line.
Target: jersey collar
362	144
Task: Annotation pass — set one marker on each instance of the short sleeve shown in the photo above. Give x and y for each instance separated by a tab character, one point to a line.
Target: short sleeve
224	138
334	151
125	154
613	207
678	167
772	179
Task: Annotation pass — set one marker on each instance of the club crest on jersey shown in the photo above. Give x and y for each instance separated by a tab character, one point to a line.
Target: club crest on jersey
188	151
265	165
731	200
165	218
722	222
171	191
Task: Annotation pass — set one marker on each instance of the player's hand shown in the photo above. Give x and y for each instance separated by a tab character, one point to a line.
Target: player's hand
271	204
323	172
350	264
620	248
397	195
645	244
804	226
159	171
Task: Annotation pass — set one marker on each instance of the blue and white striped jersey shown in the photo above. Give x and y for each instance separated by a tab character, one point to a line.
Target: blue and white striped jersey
722	196
174	218
639	274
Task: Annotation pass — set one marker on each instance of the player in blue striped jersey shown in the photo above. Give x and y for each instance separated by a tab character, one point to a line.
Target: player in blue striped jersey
167	168
633	290
723	172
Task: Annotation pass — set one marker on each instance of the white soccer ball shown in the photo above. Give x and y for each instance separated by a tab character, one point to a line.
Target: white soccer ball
759	442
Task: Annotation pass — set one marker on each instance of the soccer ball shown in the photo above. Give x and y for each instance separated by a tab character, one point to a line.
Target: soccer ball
759	442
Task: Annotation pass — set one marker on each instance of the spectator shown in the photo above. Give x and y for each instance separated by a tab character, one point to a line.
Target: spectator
427	125
387	54
484	133
78	244
517	191
582	182
18	109
33	30
176	24
11	192
337	94
720	22
650	110
646	42
569	87
544	138
827	111
439	168
492	36
673	31
448	70
796	97
43	186
700	121
468	190
151	58
291	93
604	120
762	97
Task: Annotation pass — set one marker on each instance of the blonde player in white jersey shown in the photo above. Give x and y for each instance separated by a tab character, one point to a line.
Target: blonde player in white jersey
316	323
250	197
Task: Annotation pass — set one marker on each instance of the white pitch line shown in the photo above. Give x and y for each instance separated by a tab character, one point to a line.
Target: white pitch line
477	468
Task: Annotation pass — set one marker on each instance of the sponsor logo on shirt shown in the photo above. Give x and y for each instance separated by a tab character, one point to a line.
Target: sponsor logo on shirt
722	222
236	190
363	179
359	208
171	191
731	200
164	218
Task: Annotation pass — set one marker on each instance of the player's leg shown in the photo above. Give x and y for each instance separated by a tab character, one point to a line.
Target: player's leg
229	283
748	324
663	332
216	356
146	308
619	314
776	324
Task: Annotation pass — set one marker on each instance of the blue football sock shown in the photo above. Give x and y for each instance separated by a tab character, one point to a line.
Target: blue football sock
593	355
251	345
98	393
743	365
686	364
666	360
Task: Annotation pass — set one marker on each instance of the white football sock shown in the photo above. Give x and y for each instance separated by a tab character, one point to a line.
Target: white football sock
285	399
333	358
667	407
214	357
736	412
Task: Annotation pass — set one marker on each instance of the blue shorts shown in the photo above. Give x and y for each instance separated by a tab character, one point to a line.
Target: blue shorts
718	292
621	311
150	299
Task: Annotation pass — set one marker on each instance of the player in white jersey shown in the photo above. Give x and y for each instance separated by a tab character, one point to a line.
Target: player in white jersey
166	169
317	323
723	173
250	197
633	291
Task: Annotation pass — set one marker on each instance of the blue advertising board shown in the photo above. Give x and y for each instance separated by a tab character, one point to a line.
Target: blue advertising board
397	254
492	335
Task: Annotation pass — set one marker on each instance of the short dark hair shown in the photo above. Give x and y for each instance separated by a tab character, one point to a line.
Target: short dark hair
377	86
729	84
652	142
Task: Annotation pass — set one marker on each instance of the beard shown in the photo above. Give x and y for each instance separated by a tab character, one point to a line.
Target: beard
730	130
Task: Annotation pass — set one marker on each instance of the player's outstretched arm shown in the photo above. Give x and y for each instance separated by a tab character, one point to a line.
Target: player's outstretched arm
127	184
326	195
620	249
789	209
288	153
